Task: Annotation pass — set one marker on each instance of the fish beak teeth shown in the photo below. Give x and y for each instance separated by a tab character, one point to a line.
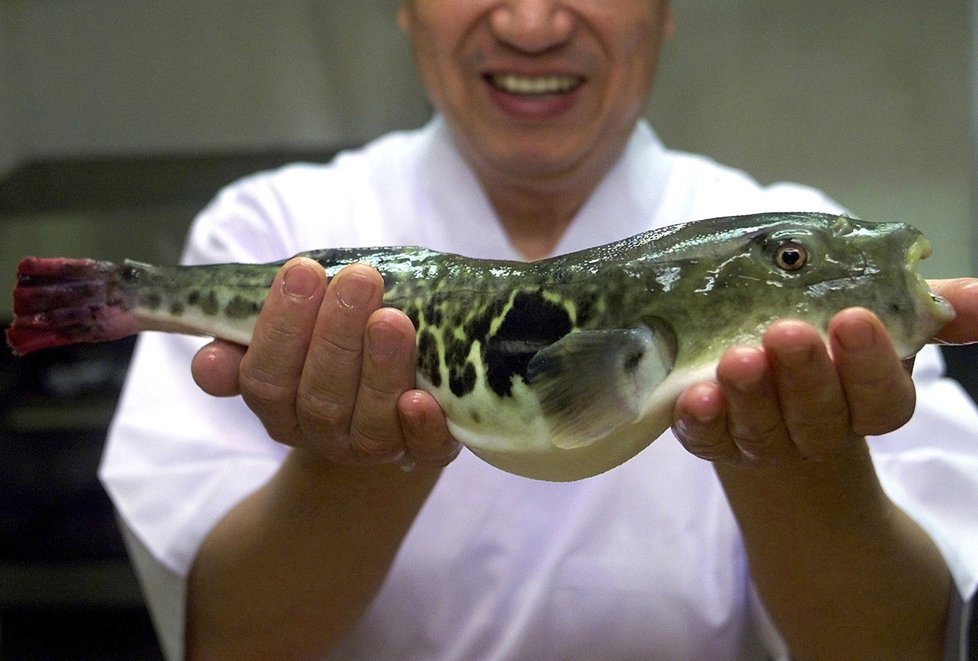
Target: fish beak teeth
919	250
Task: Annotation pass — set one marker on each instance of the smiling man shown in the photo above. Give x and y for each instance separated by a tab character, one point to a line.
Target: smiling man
272	519
540	98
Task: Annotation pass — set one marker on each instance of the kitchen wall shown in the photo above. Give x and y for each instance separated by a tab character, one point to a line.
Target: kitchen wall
868	101
870	104
149	76
8	142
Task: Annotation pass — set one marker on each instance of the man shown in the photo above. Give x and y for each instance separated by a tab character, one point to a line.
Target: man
293	528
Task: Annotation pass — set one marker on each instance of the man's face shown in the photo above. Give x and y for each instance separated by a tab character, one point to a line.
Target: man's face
537	88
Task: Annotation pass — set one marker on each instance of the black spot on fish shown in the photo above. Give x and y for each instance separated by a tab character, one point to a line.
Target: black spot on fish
241	308
478	326
456	359
413	313
153	301
193	298
429	363
177	308
462	379
458	350
530	324
209	303
432	312
586	305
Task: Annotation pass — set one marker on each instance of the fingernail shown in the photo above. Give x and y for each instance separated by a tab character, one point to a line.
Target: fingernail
748	383
300	281
353	292
794	356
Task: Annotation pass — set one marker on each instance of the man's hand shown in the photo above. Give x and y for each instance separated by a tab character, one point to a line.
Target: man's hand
331	371
785	426
790	400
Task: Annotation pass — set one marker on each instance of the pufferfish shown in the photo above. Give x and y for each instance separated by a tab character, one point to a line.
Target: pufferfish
557	369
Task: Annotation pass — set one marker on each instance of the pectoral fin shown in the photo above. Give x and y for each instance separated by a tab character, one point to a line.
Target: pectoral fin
591	382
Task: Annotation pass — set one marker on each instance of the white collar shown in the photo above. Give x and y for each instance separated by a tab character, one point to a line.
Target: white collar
457	215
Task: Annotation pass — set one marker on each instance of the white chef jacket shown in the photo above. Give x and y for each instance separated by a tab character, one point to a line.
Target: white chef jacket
644	561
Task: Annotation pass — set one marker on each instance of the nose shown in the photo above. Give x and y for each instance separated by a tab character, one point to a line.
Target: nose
532	26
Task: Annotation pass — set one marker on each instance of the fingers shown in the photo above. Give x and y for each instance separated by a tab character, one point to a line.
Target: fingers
331	375
756	422
790	400
328	369
812	399
962	294
701	424
272	367
879	392
387	371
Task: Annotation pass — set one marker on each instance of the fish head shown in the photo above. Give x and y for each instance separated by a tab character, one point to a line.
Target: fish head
811	266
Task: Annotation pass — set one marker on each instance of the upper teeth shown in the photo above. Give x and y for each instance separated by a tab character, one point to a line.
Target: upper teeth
516	84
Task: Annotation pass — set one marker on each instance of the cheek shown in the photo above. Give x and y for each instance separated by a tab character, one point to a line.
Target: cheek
430	63
434	47
635	55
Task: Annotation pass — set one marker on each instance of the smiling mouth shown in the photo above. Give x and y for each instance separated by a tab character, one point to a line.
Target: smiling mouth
521	85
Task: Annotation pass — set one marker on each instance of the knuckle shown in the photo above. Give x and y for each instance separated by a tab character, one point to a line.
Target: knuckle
378	439
373	450
261	389
323	412
344	347
379	394
805	430
758	440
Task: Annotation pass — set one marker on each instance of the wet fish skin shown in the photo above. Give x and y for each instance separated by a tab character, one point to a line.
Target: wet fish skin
557	369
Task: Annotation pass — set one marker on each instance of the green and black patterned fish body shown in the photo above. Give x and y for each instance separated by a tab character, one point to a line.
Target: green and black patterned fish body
557	369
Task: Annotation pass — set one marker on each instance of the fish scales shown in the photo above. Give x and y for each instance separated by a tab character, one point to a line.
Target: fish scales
557	369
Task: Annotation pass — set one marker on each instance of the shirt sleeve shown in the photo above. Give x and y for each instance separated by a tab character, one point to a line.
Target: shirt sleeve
928	474
929	467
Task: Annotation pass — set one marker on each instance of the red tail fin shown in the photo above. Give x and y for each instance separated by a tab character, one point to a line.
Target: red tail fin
62	301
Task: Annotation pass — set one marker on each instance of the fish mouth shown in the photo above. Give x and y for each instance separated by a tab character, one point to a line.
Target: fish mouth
933	311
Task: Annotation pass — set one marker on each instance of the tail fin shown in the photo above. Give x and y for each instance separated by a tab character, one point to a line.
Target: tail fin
60	301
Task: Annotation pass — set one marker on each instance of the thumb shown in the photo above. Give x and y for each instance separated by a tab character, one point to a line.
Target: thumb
962	294
215	368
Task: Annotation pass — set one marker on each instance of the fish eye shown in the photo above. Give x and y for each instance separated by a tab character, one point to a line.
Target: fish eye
791	256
